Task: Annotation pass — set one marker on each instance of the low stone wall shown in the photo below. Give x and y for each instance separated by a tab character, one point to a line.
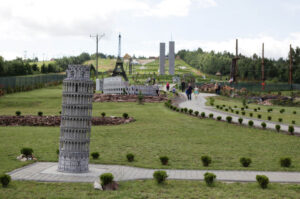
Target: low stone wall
127	98
30	120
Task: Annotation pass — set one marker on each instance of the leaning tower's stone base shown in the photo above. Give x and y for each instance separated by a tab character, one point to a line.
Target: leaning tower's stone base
73	165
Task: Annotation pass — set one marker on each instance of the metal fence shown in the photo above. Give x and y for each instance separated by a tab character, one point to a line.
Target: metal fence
21	81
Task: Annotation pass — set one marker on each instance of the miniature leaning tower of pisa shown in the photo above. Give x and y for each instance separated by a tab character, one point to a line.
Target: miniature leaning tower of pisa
75	128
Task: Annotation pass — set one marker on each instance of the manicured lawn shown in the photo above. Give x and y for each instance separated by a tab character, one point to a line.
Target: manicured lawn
149	189
103	64
157	131
287	116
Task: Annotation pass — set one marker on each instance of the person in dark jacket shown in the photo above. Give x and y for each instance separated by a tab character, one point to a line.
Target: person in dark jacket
182	86
189	91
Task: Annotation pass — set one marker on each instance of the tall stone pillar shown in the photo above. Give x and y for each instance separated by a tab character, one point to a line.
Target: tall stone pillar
171	58
75	127
162	57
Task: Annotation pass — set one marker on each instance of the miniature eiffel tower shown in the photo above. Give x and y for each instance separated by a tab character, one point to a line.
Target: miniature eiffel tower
119	69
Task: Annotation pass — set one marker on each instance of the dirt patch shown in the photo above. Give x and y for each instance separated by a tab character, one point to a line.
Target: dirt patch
127	98
30	120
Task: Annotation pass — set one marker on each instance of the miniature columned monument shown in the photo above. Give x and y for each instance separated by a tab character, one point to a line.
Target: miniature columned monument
75	129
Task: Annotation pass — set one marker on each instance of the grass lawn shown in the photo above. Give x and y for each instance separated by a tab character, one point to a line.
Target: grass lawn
149	189
287	116
157	131
103	64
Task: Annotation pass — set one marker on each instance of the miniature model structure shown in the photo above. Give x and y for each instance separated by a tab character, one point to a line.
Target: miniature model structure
162	57
76	116
171	58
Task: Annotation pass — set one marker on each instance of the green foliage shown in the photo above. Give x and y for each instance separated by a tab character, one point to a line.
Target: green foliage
57	151
282	110
219	118
206	160
217	106
263	125
18	113
295	112
211	101
27	151
262	180
202	114
95	155
291	129
269	118
40	113
237	112
229	119
293	122
140	98
240	120
5	180
270	110
196	113
250	123
255	110
160	176
243	113
285	162
185	110
245	161
164	160
211	115
190	111
106	178
259	116
103	114
280	119
125	115
209	178
251	114
244	102
277	126
130	157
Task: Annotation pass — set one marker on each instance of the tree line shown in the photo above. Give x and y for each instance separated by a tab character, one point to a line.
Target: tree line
249	68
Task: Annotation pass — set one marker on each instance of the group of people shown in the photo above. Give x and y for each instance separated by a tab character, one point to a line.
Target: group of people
188	91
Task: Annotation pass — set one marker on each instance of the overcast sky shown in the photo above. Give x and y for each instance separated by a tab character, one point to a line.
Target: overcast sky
56	28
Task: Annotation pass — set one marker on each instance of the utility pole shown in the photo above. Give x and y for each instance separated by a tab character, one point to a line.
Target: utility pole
262	63
234	66
237	57
290	69
98	37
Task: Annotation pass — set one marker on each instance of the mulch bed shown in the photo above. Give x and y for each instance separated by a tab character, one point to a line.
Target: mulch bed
98	97
30	120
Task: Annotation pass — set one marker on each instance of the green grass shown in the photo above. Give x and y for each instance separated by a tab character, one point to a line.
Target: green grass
40	63
157	131
103	64
149	189
287	116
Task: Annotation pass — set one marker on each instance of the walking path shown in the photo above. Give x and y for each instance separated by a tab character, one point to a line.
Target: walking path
199	105
46	172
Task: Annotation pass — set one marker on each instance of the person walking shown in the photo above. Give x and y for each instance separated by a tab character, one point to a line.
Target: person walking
196	92
168	86
182	86
189	91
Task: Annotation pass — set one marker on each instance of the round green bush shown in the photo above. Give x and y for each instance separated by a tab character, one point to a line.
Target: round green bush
229	119
18	113
95	155
293	122
282	110
291	129
191	111
243	113
130	157
285	162
263	125
211	115
250	123
237	112
5	180
255	110
202	114
277	126
182	109
27	151
103	114
164	160
270	110
209	178
259	116
240	120
57	151
279	119
206	160
106	178
242	108
185	110
258	108
250	114
295	112
235	106
226	109
40	113
217	106
219	118
262	180
196	113
269	118
125	115
177	109
160	176
246	107
245	161
221	107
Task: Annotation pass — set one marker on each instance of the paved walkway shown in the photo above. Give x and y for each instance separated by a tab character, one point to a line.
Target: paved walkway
46	172
199	105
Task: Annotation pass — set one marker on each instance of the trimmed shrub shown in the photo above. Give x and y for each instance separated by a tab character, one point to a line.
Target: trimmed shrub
5	180
235	106
250	114
125	115
243	113
160	176
106	178
217	106
59	112
293	122
285	162
255	110
242	108
226	109
18	113
245	161
57	151
191	111
232	110
250	123
294	112
26	151
279	119
211	115
291	130
164	160
209	178
262	180
237	112
221	107
196	113
103	114
246	106
202	114
206	160
130	157
263	125
269	118
240	120
229	119
40	113
177	109
277	126
185	110
95	155
259	116
282	110
219	118
258	108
